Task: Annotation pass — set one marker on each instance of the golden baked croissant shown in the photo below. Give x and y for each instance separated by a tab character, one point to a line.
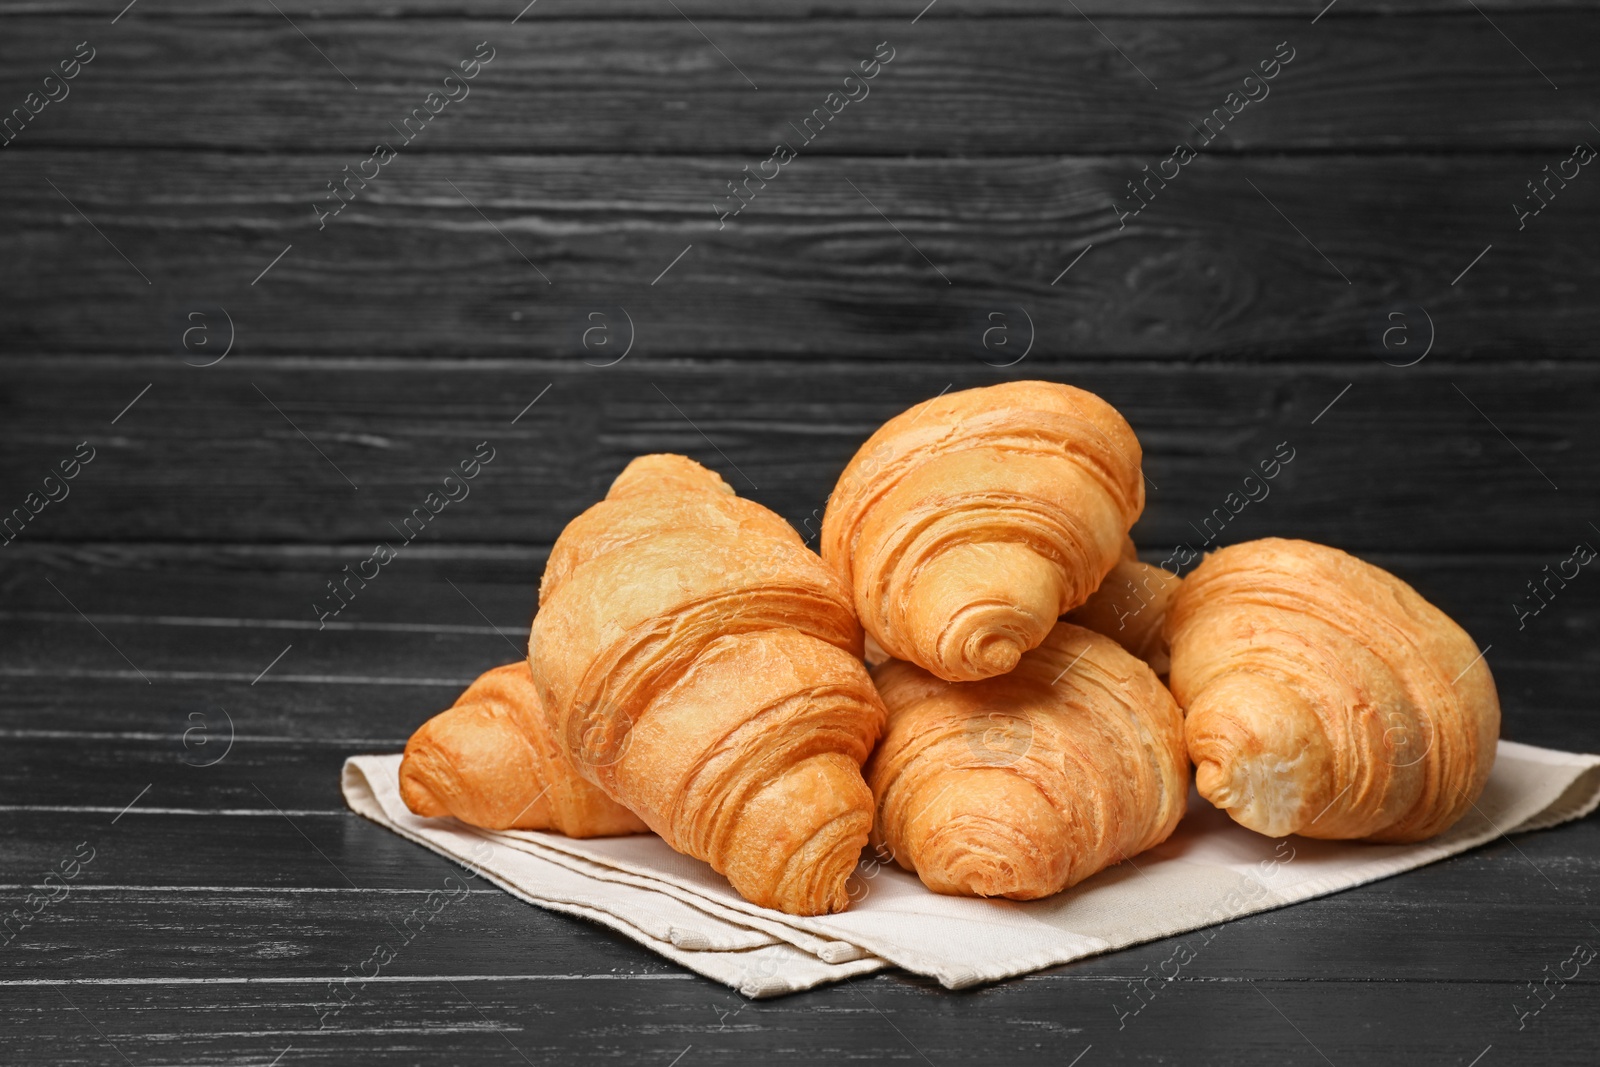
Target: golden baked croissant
1022	785
490	761
1325	697
703	667
966	525
1130	607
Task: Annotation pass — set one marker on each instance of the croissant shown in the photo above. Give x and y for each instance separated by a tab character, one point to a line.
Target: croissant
1325	697
490	761
966	525
703	667
1130	607
1022	785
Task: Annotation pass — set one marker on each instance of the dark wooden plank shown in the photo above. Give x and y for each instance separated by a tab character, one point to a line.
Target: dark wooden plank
369	656
258	933
1405	936
954	86
232	881
886	1019
334	718
622	1012
1210	269
255	775
1404	458
836	10
259	848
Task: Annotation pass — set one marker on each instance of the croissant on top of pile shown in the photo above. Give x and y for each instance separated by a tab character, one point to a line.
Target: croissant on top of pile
1038	694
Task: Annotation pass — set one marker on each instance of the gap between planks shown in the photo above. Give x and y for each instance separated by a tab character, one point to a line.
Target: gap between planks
323	980
96	809
1264	151
1113	978
394	743
949	13
272	889
264	624
757	366
237	676
39	552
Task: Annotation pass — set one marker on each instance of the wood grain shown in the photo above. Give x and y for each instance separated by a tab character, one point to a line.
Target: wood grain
1213	268
832	10
1400	928
955	86
320	452
886	1019
1379	953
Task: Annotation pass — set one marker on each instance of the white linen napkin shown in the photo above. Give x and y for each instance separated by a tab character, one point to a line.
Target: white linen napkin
1210	870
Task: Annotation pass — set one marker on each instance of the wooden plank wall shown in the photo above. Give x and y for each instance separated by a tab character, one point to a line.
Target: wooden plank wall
1344	270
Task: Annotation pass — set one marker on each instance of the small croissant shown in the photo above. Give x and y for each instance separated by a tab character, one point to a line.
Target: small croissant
1130	607
703	667
1325	697
490	761
968	524
1022	785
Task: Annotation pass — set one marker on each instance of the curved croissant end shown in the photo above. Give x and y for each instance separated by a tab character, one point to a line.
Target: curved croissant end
1325	697
490	762
1130	607
968	524
1022	785
702	666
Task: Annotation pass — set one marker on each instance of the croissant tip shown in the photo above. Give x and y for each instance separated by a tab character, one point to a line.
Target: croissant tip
416	789
997	654
1253	795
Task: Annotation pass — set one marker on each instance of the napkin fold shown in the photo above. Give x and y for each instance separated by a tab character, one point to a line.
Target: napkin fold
1210	871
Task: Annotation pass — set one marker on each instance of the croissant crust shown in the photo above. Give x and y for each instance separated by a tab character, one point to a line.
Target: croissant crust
966	525
1326	697
703	667
490	761
1024	784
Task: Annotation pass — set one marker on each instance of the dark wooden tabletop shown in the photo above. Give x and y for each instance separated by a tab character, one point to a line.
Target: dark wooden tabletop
251	389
